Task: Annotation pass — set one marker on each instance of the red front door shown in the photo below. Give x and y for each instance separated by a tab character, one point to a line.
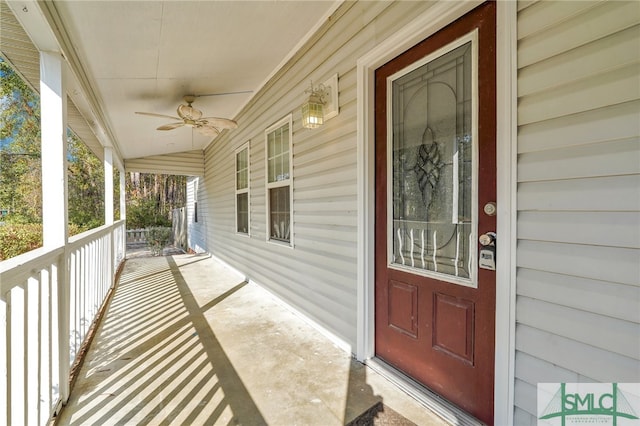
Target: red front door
435	185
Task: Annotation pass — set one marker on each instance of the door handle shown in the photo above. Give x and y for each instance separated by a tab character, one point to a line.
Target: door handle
488	239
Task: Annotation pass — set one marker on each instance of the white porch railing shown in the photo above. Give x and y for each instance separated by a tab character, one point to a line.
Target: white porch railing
137	237
48	300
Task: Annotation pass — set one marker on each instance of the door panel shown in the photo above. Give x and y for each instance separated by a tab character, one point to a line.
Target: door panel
453	325
435	169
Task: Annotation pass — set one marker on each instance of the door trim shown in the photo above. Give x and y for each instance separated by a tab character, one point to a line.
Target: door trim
432	20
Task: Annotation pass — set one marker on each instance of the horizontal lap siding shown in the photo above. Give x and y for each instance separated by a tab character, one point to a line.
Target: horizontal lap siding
578	253
189	163
317	276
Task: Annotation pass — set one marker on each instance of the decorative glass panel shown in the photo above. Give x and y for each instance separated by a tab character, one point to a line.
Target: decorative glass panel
432	165
279	216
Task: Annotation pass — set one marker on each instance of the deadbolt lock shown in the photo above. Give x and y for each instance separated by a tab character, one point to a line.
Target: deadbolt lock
490	209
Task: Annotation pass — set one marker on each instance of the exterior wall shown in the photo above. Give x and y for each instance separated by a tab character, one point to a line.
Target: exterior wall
318	275
578	174
196	238
578	257
189	163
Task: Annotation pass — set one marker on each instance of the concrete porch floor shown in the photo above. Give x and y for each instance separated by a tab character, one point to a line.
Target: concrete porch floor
185	340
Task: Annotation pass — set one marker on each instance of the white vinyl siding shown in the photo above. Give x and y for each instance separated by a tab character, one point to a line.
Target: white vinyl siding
578	197
196	238
318	277
189	163
578	171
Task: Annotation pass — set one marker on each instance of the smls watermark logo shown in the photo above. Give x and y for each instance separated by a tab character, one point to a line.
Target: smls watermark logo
561	404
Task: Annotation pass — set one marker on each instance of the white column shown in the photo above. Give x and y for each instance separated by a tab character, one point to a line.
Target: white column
108	185
53	104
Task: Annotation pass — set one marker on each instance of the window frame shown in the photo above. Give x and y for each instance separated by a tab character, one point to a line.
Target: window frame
287	120
245	146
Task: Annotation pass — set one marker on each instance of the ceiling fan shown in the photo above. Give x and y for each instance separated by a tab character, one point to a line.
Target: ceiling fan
189	116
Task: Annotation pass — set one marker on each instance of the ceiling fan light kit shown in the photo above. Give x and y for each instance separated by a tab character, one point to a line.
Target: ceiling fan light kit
192	117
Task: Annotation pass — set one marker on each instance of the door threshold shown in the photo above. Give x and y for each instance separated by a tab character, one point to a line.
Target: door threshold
429	399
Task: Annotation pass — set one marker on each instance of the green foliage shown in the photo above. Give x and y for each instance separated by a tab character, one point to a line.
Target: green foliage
150	197
116	194
158	238
143	213
20	115
85	185
16	238
20	170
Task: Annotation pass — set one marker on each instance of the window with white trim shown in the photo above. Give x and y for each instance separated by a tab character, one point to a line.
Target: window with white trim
279	181
242	190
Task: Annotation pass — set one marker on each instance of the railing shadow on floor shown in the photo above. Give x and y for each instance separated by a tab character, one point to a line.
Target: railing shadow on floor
160	361
157	359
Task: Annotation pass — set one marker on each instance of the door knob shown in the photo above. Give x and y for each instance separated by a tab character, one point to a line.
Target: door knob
487	239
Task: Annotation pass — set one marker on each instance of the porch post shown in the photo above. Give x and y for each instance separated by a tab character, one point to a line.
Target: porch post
53	104
108	185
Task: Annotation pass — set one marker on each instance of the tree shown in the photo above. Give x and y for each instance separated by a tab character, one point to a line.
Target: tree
85	185
152	197
20	169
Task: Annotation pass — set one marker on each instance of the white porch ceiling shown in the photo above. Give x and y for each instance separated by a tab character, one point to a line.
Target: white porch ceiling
146	55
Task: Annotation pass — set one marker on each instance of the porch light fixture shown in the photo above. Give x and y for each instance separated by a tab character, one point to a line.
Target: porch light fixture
321	104
312	110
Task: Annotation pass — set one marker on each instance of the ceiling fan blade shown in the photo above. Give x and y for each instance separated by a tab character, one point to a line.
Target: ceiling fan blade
208	130
221	123
171	126
152	114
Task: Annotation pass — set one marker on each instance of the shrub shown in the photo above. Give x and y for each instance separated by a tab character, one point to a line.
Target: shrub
145	213
158	238
18	238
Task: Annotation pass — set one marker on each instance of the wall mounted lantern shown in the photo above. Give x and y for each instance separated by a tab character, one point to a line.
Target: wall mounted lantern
322	103
312	109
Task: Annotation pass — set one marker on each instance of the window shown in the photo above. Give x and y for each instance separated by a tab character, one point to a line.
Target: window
242	190
279	188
